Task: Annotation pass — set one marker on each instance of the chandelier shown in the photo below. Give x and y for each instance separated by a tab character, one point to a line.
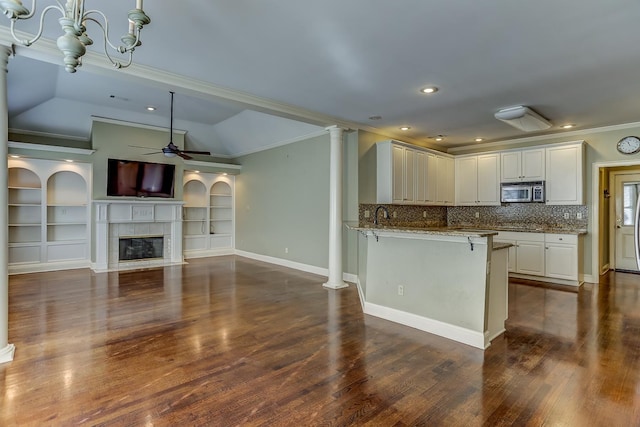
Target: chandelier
75	39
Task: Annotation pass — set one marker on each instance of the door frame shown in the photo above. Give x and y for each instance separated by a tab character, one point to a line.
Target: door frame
612	211
594	207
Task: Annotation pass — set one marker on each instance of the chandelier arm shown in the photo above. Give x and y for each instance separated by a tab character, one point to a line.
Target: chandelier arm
105	32
27	42
106	43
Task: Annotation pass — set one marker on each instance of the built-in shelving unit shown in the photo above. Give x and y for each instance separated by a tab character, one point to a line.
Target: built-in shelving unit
48	214
208	217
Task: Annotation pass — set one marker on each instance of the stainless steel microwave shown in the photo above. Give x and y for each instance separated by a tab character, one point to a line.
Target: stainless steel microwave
522	192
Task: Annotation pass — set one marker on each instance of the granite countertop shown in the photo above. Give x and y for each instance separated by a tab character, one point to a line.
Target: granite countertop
472	230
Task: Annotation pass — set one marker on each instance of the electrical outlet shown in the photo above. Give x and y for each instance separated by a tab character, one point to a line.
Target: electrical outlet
395	214
566	215
477	214
385	214
286	250
400	290
366	214
579	215
424	214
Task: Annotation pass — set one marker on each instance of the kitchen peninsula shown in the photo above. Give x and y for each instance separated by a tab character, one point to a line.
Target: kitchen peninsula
449	282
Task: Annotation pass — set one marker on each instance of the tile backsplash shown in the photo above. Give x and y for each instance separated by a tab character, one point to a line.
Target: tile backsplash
524	215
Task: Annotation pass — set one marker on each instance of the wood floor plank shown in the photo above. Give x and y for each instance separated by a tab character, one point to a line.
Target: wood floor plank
230	341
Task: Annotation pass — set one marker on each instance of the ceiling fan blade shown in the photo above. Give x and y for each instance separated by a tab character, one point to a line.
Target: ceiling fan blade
140	146
184	156
153	152
196	152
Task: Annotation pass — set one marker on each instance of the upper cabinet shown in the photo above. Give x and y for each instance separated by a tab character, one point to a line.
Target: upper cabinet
524	165
478	180
407	175
565	174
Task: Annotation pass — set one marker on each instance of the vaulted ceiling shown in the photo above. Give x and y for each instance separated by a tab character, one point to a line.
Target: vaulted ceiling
248	75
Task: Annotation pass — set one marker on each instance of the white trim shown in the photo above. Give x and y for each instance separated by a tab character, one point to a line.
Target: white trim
590	278
135	265
595	202
347	277
48	135
6	354
208	253
212	164
283	262
452	332
51	148
559	134
47	266
315	134
136	125
360	293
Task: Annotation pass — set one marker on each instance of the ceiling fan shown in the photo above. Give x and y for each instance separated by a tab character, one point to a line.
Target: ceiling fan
171	150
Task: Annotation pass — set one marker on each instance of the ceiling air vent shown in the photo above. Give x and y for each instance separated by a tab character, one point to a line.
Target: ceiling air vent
523	118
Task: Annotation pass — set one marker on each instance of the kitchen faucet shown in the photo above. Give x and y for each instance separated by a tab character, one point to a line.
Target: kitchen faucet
375	215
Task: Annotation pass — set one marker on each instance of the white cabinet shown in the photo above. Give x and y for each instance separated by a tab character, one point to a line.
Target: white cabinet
522	165
445	179
208	217
410	176
478	180
549	257
49	215
562	256
565	174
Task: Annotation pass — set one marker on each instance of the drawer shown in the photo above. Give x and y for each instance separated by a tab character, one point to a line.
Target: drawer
568	239
520	236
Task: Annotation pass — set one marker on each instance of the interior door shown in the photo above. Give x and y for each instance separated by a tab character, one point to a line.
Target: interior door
627	190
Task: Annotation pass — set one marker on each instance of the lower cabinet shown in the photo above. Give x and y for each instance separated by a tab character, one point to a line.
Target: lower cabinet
548	257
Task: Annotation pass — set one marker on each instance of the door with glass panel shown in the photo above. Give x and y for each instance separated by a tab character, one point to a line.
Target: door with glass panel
627	192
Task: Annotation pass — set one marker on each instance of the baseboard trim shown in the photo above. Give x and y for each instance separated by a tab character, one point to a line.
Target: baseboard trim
208	253
47	266
452	332
320	271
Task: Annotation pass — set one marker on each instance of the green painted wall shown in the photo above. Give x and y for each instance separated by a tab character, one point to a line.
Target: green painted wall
282	201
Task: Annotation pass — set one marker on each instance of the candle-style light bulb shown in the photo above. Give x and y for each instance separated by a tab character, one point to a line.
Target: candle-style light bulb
139	4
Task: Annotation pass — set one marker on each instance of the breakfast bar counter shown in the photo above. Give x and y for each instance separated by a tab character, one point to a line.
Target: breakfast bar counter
449	282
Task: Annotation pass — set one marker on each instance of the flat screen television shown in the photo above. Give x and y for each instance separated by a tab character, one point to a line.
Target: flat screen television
140	179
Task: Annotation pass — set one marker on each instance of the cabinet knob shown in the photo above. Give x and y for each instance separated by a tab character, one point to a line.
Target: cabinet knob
559	238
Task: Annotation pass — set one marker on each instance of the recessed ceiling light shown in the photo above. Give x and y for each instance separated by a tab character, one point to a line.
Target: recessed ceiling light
151	108
405	128
225	174
429	89
567	126
478	140
68	160
14	156
196	171
439	138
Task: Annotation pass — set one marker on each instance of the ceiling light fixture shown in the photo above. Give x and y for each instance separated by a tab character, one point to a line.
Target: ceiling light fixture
14	156
74	41
405	128
428	90
478	140
523	118
439	138
151	108
68	160
567	126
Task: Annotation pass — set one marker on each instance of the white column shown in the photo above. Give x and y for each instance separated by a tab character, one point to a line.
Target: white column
6	350
335	210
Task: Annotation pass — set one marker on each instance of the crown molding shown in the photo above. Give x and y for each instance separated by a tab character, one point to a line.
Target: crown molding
48	135
526	140
50	148
136	125
212	164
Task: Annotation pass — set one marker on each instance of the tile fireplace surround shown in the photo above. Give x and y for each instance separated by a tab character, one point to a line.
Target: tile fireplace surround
116	219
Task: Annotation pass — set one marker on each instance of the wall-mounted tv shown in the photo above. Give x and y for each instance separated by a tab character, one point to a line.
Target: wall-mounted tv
140	179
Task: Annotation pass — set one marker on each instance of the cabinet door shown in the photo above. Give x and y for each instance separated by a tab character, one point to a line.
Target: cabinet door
532	165
431	178
488	179
397	174
561	261
466	181
421	177
511	162
530	258
564	175
409	176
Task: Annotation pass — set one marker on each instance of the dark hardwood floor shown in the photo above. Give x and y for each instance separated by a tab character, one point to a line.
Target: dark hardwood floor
230	341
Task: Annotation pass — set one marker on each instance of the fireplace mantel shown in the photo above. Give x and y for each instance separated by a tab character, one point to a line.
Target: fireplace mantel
115	218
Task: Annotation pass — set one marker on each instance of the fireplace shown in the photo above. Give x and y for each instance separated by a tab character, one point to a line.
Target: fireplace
137	234
134	248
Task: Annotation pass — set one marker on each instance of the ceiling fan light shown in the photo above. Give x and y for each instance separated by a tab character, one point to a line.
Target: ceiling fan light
523	118
169	154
